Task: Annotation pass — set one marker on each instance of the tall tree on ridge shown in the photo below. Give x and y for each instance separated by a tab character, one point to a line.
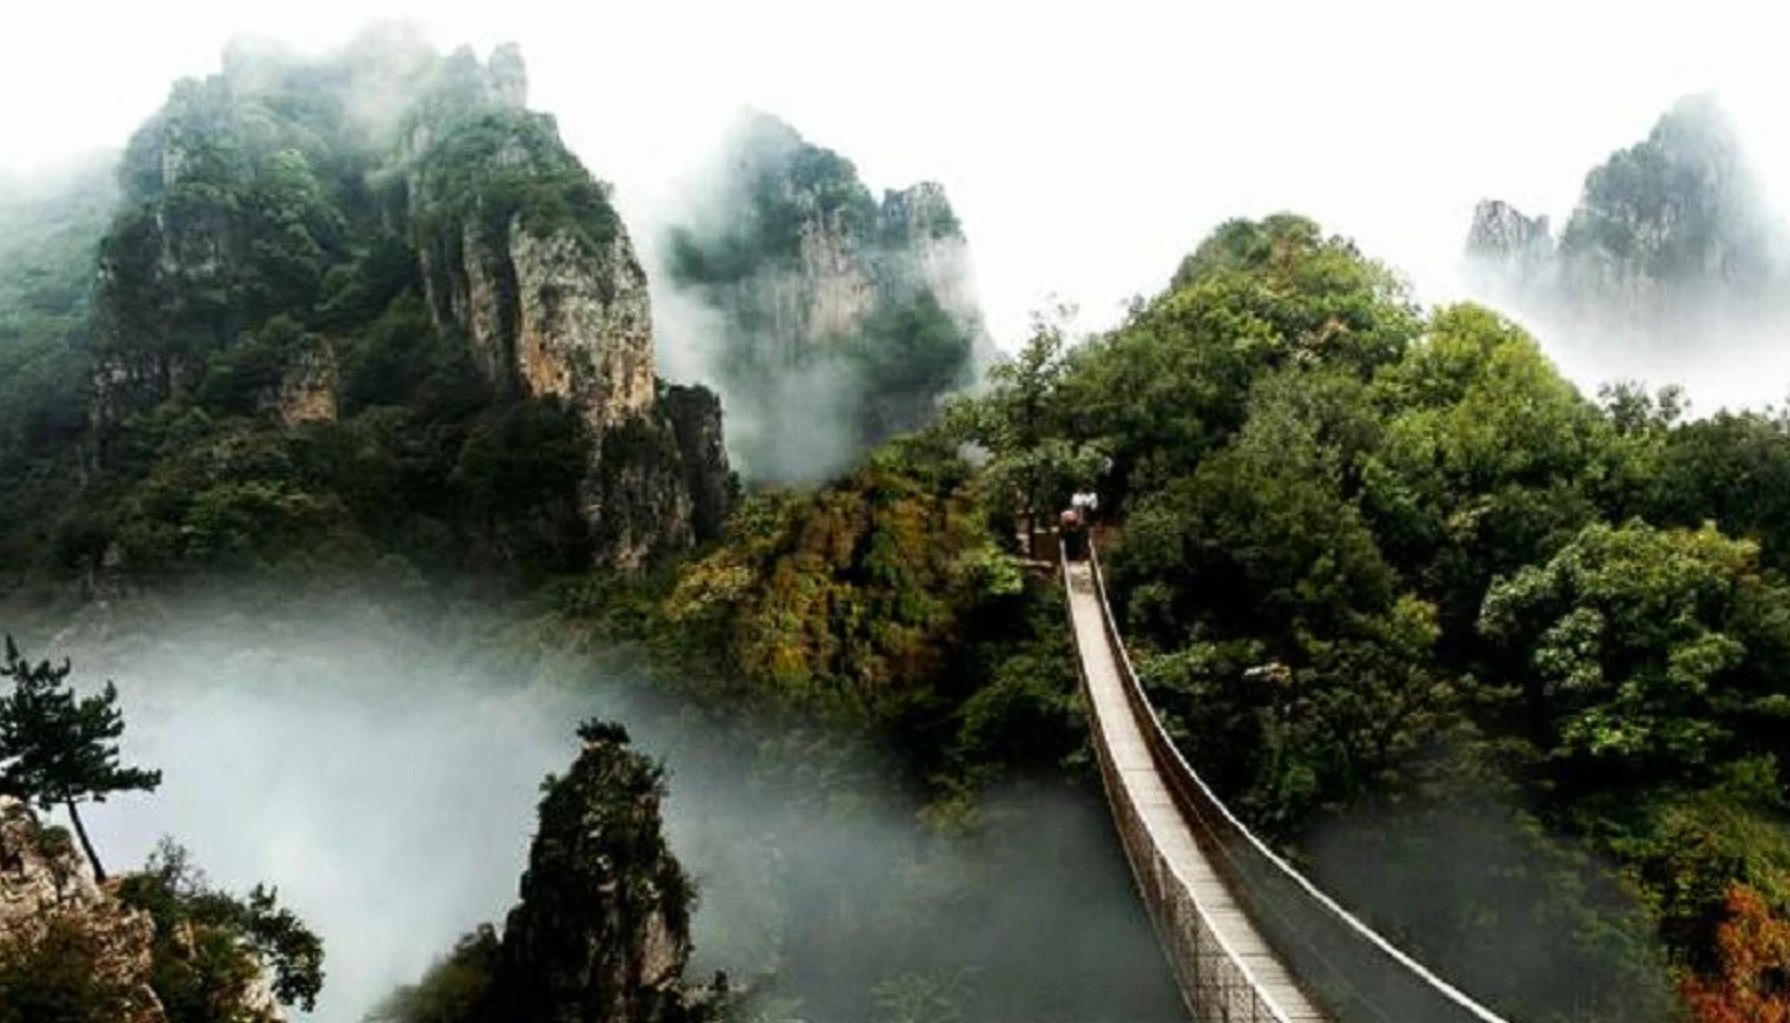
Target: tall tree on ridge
61	749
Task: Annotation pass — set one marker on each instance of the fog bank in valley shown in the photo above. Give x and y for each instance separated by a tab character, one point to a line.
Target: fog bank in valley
386	783
386	789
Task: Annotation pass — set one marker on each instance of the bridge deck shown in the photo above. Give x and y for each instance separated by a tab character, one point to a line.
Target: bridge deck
1168	831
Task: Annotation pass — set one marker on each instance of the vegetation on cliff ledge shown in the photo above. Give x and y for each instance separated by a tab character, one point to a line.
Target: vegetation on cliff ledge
158	945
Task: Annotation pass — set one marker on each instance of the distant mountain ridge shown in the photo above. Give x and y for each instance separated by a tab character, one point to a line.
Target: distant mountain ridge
1672	229
834	307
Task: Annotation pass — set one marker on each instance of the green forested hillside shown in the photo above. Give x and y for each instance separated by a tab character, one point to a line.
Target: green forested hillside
1502	665
49	240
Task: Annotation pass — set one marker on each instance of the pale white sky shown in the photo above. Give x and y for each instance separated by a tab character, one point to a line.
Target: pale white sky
1086	146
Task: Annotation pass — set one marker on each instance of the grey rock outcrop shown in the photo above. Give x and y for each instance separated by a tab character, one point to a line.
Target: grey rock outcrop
46	886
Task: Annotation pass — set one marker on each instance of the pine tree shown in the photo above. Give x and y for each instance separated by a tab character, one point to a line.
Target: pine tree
61	749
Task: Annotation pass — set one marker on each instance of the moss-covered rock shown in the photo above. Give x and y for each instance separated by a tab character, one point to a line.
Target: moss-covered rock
602	933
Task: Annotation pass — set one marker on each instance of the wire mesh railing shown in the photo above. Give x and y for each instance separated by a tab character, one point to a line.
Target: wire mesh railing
1213	979
1351	971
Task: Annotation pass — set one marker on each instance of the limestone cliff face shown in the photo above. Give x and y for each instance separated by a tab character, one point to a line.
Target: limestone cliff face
919	222
843	318
795	243
547	317
522	254
601	934
239	213
310	386
1672	228
210	242
150	276
825	294
584	336
47	893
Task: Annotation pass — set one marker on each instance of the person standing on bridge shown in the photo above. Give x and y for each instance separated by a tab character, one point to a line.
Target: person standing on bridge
1087	503
1072	531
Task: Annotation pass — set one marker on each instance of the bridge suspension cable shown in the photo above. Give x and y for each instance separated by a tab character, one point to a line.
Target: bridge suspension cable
1249	938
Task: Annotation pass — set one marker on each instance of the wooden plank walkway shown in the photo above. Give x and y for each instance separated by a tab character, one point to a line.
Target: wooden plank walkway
1168	831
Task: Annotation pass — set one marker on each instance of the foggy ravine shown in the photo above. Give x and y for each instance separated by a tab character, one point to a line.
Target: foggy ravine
387	787
691	341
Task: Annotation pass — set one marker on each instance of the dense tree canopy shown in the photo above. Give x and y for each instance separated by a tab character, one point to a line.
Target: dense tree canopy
1374	561
1380	560
1655	654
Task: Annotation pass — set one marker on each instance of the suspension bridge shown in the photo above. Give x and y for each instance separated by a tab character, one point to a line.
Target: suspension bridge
1248	938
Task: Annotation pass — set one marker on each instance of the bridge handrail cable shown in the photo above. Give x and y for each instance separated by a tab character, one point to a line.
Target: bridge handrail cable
1189	788
1250	987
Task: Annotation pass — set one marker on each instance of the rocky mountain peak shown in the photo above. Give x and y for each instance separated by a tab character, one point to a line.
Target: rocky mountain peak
1672	228
1507	249
1500	231
602	932
919	212
331	194
508	76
